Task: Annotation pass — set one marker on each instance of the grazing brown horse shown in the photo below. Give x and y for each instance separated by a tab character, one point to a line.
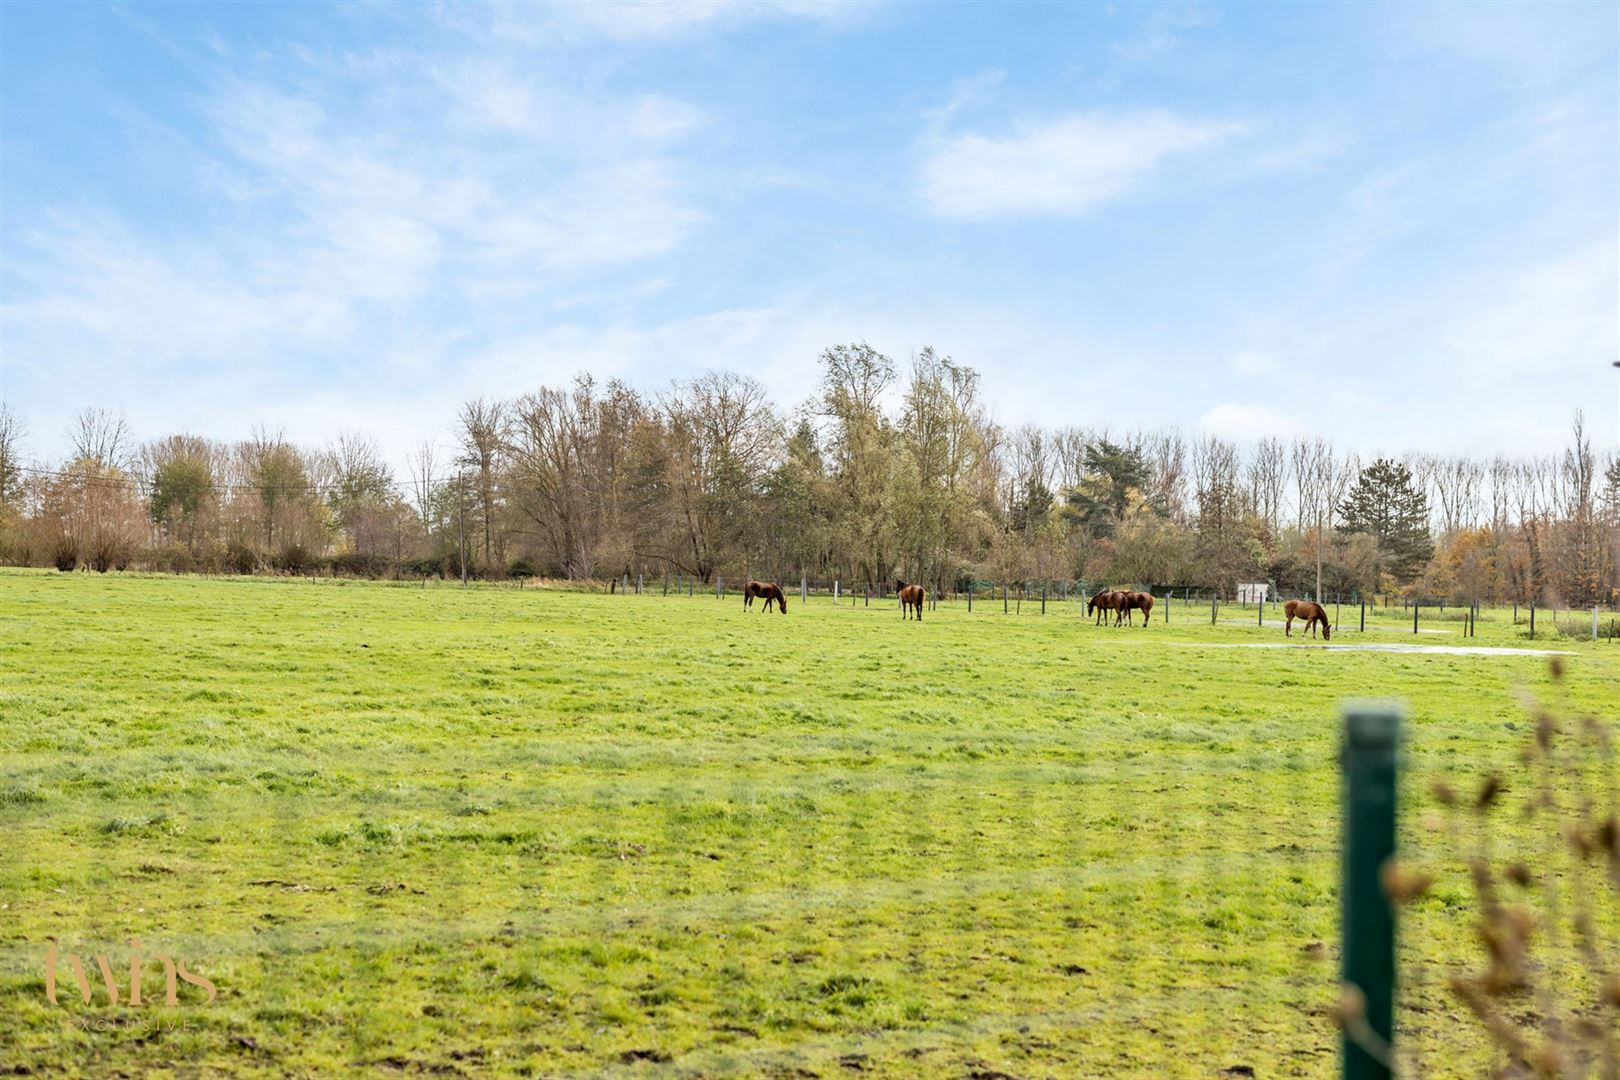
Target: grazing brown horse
1103	603
911	599
1137	601
770	590
1312	613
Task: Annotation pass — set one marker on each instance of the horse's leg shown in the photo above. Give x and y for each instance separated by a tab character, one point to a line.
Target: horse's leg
1288	627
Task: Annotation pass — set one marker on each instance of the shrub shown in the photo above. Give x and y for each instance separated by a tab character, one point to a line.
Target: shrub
355	564
173	558
240	559
521	568
429	566
293	559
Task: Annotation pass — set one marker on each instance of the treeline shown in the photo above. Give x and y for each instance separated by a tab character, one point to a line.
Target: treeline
886	471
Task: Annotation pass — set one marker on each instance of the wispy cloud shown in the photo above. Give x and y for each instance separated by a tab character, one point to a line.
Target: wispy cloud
1067	167
1162	31
567	21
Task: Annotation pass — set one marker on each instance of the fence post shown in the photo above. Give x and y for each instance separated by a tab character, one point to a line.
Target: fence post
1043	609
1368	758
1364	615
1169	598
1261	609
970	598
804	589
1532	620
1214	600
1414	616
639	582
835	590
1594	622
719	588
1004	598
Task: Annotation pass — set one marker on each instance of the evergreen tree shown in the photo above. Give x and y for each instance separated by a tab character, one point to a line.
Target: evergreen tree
1115	479
1386	505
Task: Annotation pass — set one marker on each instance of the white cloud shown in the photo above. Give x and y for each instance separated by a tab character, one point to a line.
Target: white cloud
93	293
1247	421
1558	315
1066	167
659	117
1305	154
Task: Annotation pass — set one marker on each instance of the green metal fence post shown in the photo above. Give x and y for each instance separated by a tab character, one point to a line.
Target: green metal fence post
1371	735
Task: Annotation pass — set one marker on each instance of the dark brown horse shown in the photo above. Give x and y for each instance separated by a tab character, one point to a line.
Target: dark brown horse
770	590
1104	602
1312	613
1137	601
911	599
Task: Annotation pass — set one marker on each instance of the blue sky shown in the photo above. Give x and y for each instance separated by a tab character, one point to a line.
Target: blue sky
1394	225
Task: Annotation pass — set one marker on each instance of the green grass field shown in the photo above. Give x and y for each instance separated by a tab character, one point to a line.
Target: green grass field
524	832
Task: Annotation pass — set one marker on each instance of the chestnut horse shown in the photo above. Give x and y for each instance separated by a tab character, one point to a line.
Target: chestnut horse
770	590
1104	602
911	599
1312	613
1137	601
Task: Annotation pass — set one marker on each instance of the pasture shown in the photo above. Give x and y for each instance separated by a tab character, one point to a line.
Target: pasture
514	832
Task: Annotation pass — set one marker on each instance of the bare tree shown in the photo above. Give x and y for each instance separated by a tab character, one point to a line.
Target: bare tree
101	436
550	455
1455	484
421	465
1268	476
12	433
484	431
1166	455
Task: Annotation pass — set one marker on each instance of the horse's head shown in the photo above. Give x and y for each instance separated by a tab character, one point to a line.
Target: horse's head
1327	631
781	601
